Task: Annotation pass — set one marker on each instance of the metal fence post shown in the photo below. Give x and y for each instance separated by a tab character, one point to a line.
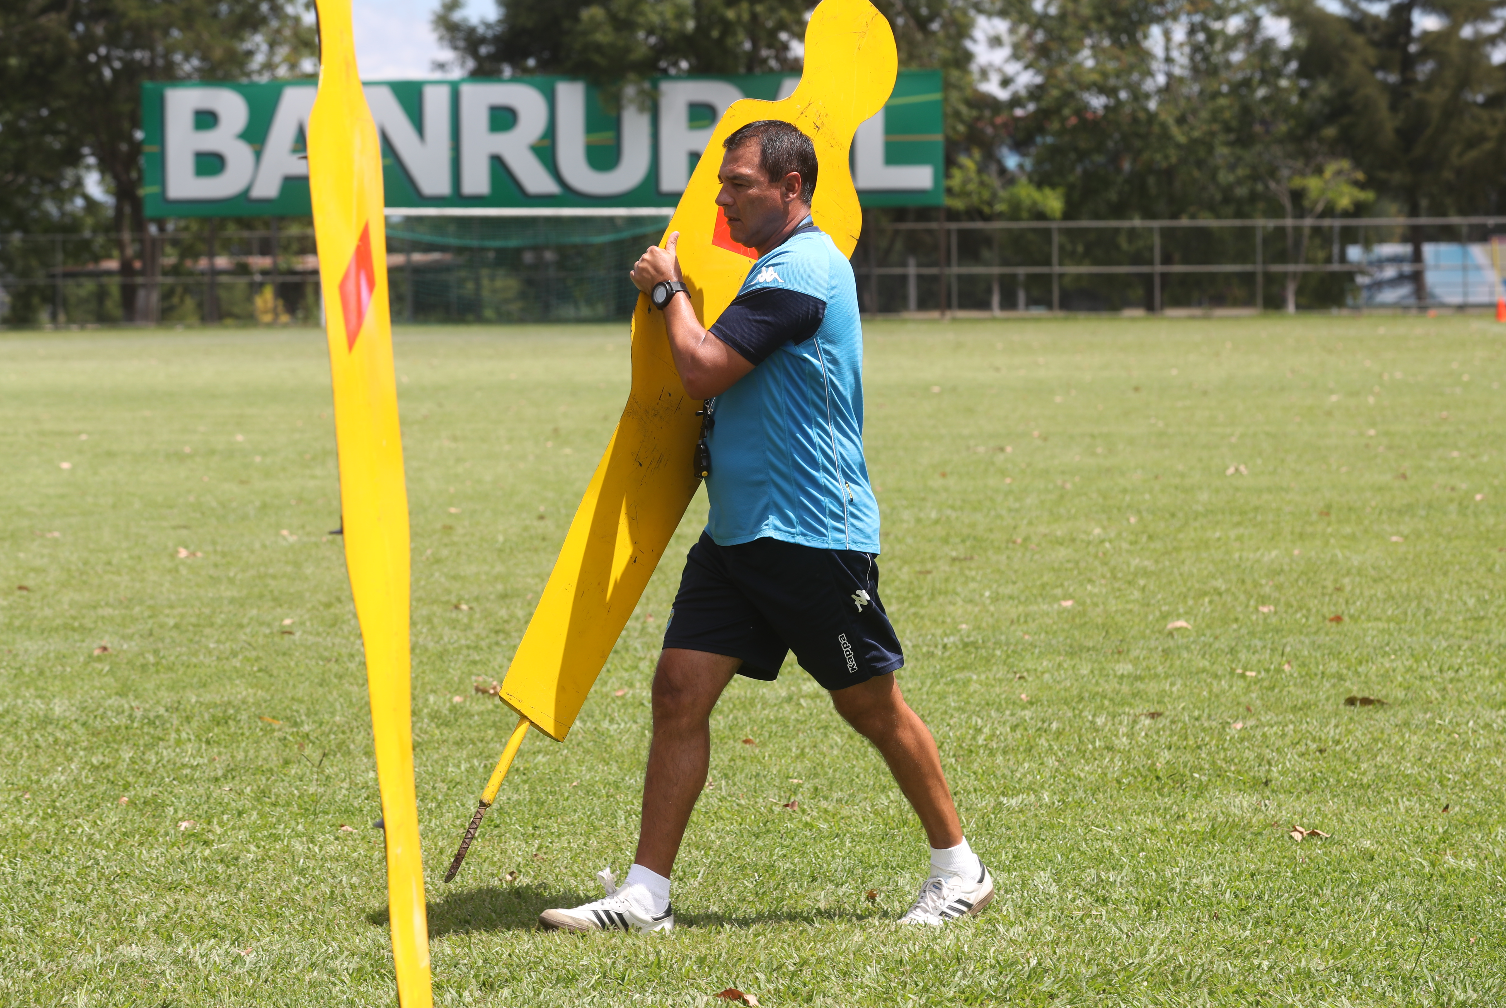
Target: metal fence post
408	278
912	281
212	302
1155	267
274	270
941	279
1056	283
953	260
57	282
1260	267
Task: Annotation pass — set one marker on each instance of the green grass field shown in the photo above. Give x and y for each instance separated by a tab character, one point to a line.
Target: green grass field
173	810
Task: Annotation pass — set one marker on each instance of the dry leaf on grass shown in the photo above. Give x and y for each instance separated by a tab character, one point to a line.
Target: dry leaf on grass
481	685
1180	624
748	741
1397	539
462	607
187	824
1336	619
1066	603
733	994
1238	725
621	692
1024	696
122	800
22	588
269	720
347	829
1267	608
872	895
511	876
1152	714
287	622
457	699
1363	701
1298	834
793	805
102	649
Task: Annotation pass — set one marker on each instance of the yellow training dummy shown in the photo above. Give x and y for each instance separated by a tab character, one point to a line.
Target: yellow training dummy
345	183
645	480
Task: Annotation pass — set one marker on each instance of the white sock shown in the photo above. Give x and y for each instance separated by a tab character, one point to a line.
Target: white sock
959	862
652	884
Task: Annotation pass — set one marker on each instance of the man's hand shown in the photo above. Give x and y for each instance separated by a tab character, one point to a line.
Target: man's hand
657	265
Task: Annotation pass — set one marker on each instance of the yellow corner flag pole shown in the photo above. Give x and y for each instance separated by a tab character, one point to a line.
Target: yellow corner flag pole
345	184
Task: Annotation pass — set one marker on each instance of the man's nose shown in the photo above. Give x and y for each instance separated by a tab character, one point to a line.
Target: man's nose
723	198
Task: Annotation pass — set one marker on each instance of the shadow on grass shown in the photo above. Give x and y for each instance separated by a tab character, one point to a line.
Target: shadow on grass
517	908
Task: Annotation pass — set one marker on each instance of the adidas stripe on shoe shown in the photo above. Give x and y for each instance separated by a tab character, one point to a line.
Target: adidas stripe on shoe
618	911
946	897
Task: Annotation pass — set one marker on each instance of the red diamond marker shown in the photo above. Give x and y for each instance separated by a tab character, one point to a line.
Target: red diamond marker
356	287
721	237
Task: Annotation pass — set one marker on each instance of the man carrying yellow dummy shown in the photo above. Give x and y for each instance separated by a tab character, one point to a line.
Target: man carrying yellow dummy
788	559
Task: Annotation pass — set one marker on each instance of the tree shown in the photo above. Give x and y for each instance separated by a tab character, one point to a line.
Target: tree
87	59
1144	108
625	41
1414	94
1305	190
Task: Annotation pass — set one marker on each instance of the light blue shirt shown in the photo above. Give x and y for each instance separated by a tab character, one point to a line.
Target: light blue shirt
787	443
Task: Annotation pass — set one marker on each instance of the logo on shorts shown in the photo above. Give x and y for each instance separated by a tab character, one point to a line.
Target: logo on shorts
766	275
860	599
852	662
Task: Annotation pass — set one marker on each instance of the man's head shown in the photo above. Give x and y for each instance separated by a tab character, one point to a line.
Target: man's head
768	178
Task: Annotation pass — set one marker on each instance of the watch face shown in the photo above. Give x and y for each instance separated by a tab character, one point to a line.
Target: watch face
661	294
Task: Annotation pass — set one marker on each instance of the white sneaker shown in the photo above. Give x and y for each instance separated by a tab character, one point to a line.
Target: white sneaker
944	897
615	912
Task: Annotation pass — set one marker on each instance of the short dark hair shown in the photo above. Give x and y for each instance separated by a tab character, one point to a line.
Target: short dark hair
783	149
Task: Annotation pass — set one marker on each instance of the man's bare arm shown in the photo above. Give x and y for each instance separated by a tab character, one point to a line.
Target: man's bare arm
708	367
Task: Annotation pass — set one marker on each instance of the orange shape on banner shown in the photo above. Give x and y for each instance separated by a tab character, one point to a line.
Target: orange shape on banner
721	237
356	287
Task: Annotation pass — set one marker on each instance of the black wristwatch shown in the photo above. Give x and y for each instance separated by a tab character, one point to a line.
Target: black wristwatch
663	291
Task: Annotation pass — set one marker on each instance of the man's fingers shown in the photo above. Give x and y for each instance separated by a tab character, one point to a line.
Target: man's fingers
674	239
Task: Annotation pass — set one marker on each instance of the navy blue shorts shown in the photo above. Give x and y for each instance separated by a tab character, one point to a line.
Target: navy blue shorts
760	600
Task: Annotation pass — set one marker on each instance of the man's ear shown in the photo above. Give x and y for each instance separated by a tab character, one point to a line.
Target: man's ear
791	184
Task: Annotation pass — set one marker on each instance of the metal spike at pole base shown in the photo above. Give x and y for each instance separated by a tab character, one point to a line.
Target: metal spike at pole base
465	842
490	794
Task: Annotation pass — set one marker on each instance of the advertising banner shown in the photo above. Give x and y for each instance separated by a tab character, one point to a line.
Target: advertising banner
524	146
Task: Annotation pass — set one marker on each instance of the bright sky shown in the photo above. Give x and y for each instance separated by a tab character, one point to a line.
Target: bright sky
394	40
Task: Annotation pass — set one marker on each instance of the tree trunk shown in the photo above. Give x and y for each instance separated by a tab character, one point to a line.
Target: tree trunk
127	253
1419	267
1291	260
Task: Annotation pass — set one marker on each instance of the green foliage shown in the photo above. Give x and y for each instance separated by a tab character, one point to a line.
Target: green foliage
1415	93
82	64
625	40
1142	861
972	191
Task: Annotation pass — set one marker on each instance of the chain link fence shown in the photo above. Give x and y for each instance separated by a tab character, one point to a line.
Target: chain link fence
500	270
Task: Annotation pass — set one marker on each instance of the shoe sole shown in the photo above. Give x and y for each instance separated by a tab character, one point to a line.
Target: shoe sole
551	920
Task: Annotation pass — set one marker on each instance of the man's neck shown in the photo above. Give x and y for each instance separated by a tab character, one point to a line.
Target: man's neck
797	218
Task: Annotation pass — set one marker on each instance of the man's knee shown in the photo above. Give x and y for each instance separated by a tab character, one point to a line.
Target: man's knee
871	707
688	683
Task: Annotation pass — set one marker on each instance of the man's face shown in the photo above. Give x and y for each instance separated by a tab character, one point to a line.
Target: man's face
756	208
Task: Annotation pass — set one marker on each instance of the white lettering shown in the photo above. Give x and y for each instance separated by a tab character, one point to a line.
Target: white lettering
634	151
424	156
514	147
181	143
278	161
677	139
870	171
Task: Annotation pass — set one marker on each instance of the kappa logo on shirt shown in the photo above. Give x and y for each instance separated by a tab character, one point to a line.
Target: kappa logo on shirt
767	274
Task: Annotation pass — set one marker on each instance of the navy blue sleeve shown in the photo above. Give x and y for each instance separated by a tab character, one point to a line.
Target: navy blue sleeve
763	320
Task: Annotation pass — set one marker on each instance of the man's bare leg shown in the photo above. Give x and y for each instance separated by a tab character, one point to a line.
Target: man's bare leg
687	685
878	711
